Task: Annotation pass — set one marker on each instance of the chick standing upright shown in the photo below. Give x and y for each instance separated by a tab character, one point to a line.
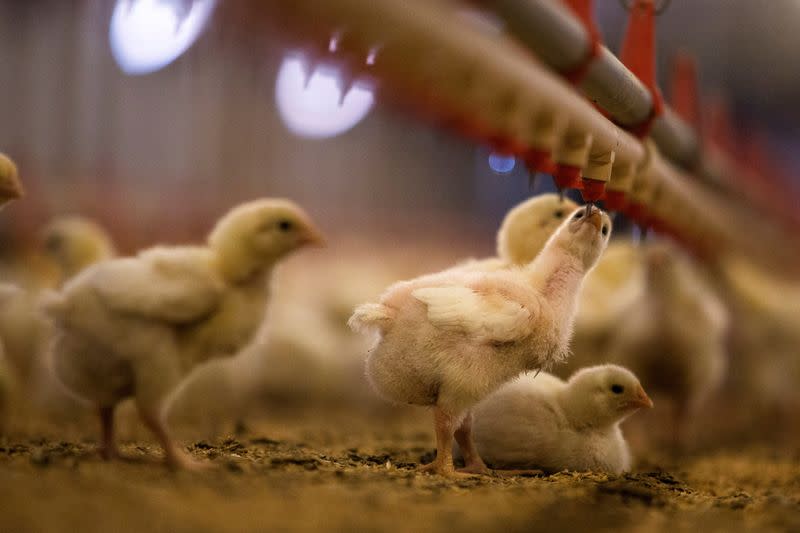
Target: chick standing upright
448	340
546	423
135	326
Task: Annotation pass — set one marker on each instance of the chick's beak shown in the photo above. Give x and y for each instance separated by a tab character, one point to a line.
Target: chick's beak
641	399
596	218
312	237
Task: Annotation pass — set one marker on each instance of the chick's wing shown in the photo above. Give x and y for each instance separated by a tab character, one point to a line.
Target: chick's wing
176	285
489	317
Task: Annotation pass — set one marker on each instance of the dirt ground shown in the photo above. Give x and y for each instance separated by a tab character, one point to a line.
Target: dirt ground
332	471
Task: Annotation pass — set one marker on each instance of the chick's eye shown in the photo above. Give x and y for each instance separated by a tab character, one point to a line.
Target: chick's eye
578	215
617	389
605	230
284	225
559	214
53	242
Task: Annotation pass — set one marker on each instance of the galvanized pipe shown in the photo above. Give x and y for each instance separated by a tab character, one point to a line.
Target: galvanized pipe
559	39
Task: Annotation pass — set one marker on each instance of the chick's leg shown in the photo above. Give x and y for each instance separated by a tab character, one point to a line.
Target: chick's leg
108	446
156	378
444	424
473	464
175	457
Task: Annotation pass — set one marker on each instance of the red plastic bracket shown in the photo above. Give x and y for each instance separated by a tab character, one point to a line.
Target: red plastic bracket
540	161
638	213
592	190
567	177
614	200
639	55
684	92
583	9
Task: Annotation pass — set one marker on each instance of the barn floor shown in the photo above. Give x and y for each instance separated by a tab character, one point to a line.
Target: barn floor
337	472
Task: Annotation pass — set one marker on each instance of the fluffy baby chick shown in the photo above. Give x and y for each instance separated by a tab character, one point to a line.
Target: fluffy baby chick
448	340
674	335
524	232
546	423
74	243
10	187
135	326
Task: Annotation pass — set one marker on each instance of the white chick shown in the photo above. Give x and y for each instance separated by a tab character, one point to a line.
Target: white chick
74	243
136	326
546	423
10	187
674	336
448	340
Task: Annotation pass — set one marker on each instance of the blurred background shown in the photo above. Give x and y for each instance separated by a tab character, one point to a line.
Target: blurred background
154	117
159	156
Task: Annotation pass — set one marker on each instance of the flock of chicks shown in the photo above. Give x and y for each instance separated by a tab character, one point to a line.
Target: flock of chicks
180	329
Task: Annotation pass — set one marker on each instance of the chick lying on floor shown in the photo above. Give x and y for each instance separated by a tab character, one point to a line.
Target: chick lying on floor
542	422
134	327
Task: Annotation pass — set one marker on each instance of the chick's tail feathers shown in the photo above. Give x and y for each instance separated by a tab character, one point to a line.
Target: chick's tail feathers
371	316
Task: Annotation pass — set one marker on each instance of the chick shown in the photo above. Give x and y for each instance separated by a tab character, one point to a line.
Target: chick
74	243
524	232
135	326
448	340
289	366
546	423
10	187
674	335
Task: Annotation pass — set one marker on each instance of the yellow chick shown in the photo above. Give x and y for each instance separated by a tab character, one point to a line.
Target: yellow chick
524	232
74	243
133	327
543	422
10	186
